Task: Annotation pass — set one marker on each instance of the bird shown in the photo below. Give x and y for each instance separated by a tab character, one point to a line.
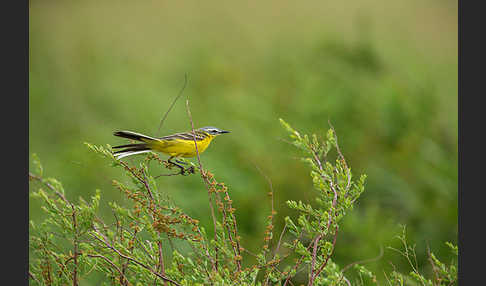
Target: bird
175	145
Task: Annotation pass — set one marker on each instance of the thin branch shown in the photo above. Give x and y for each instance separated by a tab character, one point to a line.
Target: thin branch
161	261
337	145
132	259
332	251
235	232
73	215
31	275
125	266
296	265
172	105
272	213
279	240
386	277
111	263
345	268
434	267
312	276
316	158
205	269
227	227
194	136
146	184
314	256
205	179
59	194
249	252
143	181
172	246
334	203
75	242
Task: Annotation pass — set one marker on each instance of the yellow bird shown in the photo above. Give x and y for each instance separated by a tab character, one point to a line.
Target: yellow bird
175	145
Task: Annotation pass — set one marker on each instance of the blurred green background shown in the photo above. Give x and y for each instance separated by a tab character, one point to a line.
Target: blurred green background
383	72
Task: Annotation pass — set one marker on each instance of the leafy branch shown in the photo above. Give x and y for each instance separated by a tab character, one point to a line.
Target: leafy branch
74	240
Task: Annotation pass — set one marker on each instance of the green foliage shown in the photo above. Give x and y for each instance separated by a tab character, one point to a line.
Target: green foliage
74	240
442	274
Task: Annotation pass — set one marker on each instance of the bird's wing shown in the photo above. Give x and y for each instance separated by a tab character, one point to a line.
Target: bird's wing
184	136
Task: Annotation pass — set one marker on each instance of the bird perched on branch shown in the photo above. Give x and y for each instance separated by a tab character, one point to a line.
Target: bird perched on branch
175	145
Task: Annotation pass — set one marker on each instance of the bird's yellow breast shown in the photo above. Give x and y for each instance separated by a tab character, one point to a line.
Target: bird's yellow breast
181	148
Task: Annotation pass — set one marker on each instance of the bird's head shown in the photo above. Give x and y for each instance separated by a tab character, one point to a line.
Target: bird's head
213	131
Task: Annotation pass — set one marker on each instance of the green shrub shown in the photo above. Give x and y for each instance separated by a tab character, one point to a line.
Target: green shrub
74	242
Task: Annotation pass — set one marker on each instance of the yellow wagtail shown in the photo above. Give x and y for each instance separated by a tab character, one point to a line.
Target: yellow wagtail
175	145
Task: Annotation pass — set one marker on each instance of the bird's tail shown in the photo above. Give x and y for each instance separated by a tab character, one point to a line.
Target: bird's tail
132	149
134	136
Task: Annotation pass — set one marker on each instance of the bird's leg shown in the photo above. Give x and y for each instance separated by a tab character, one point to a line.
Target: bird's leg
175	164
181	162
189	170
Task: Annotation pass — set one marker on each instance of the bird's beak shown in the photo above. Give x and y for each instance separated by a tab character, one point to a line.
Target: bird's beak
223	131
